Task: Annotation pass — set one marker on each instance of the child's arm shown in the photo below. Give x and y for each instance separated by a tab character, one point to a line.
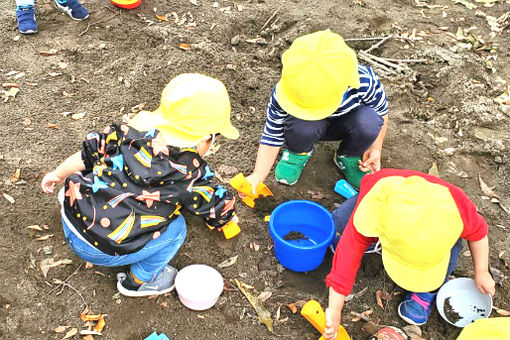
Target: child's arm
266	157
480	253
333	313
371	160
68	167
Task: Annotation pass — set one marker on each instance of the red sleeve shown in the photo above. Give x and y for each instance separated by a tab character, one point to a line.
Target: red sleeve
475	227
350	249
347	259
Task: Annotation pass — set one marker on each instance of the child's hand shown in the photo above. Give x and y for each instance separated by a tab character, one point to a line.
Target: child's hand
371	160
485	283
333	318
49	182
254	179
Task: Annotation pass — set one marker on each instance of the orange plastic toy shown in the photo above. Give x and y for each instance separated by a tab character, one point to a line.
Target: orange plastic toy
313	313
229	230
126	4
245	191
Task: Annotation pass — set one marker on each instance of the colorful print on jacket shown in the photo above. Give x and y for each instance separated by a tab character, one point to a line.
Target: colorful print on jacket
134	186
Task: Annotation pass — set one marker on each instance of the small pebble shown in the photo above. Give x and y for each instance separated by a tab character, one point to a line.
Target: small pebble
48	250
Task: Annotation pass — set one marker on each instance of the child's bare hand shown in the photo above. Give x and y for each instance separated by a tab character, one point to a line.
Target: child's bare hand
49	182
333	318
254	179
485	283
371	160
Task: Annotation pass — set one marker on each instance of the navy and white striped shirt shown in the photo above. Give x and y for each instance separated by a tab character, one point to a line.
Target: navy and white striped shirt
370	93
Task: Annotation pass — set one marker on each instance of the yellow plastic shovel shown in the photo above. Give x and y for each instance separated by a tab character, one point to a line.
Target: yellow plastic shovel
312	311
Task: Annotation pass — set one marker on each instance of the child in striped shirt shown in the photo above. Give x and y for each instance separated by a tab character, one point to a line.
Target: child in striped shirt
323	95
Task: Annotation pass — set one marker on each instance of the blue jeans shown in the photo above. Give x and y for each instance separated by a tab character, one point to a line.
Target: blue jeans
146	263
22	3
357	130
342	214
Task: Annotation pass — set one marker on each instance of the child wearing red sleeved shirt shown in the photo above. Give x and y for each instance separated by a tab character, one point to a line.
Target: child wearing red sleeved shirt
419	221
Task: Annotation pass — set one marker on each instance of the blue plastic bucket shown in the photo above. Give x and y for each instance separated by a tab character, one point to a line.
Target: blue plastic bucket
308	218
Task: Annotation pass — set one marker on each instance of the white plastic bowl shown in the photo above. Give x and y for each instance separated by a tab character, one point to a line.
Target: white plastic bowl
465	299
198	286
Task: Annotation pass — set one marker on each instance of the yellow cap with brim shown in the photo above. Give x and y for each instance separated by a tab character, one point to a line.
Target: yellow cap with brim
193	106
417	223
318	69
487	329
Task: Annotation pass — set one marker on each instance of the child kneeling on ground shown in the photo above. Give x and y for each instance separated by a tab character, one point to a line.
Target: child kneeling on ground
124	190
323	95
419	221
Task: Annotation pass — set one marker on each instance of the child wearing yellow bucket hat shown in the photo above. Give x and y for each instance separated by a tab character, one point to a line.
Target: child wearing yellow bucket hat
419	221
124	191
323	95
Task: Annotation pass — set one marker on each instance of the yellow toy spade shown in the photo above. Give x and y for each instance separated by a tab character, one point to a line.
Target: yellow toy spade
312	311
244	190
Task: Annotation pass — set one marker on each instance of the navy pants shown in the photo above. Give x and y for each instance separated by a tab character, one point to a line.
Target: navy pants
357	130
342	214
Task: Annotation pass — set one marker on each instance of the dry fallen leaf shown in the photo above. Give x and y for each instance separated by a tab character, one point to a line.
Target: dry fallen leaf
184	46
486	190
71	333
292	307
88	265
194	2
44	238
228	262
100	324
434	171
502	312
161	17
9	85
378	298
501	254
35	227
53	126
88	337
9	198
164	304
316	195
48	52
77	116
412	331
263	314
61	329
15	176
265	295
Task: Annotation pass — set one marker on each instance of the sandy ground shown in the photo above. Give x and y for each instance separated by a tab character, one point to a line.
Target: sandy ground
442	111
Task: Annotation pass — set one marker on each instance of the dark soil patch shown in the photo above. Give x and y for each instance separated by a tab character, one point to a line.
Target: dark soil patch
450	313
295	236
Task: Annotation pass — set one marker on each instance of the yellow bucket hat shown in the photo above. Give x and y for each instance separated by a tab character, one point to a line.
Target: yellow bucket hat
417	223
487	329
193	106
317	70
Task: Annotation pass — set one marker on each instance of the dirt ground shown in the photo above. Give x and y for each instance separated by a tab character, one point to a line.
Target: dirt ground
442	111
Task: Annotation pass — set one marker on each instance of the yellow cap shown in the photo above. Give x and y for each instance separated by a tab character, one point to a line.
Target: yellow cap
317	70
193	106
487	329
417	223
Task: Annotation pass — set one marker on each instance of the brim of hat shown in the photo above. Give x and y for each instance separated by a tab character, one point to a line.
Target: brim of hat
230	132
173	134
412	279
305	113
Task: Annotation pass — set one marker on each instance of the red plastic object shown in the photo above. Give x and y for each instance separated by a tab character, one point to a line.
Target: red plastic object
126	4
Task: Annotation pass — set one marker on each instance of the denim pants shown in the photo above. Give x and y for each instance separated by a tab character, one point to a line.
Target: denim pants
146	263
357	130
342	214
23	3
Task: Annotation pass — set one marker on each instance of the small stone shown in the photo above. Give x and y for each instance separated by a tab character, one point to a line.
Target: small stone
449	151
235	40
498	160
48	250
